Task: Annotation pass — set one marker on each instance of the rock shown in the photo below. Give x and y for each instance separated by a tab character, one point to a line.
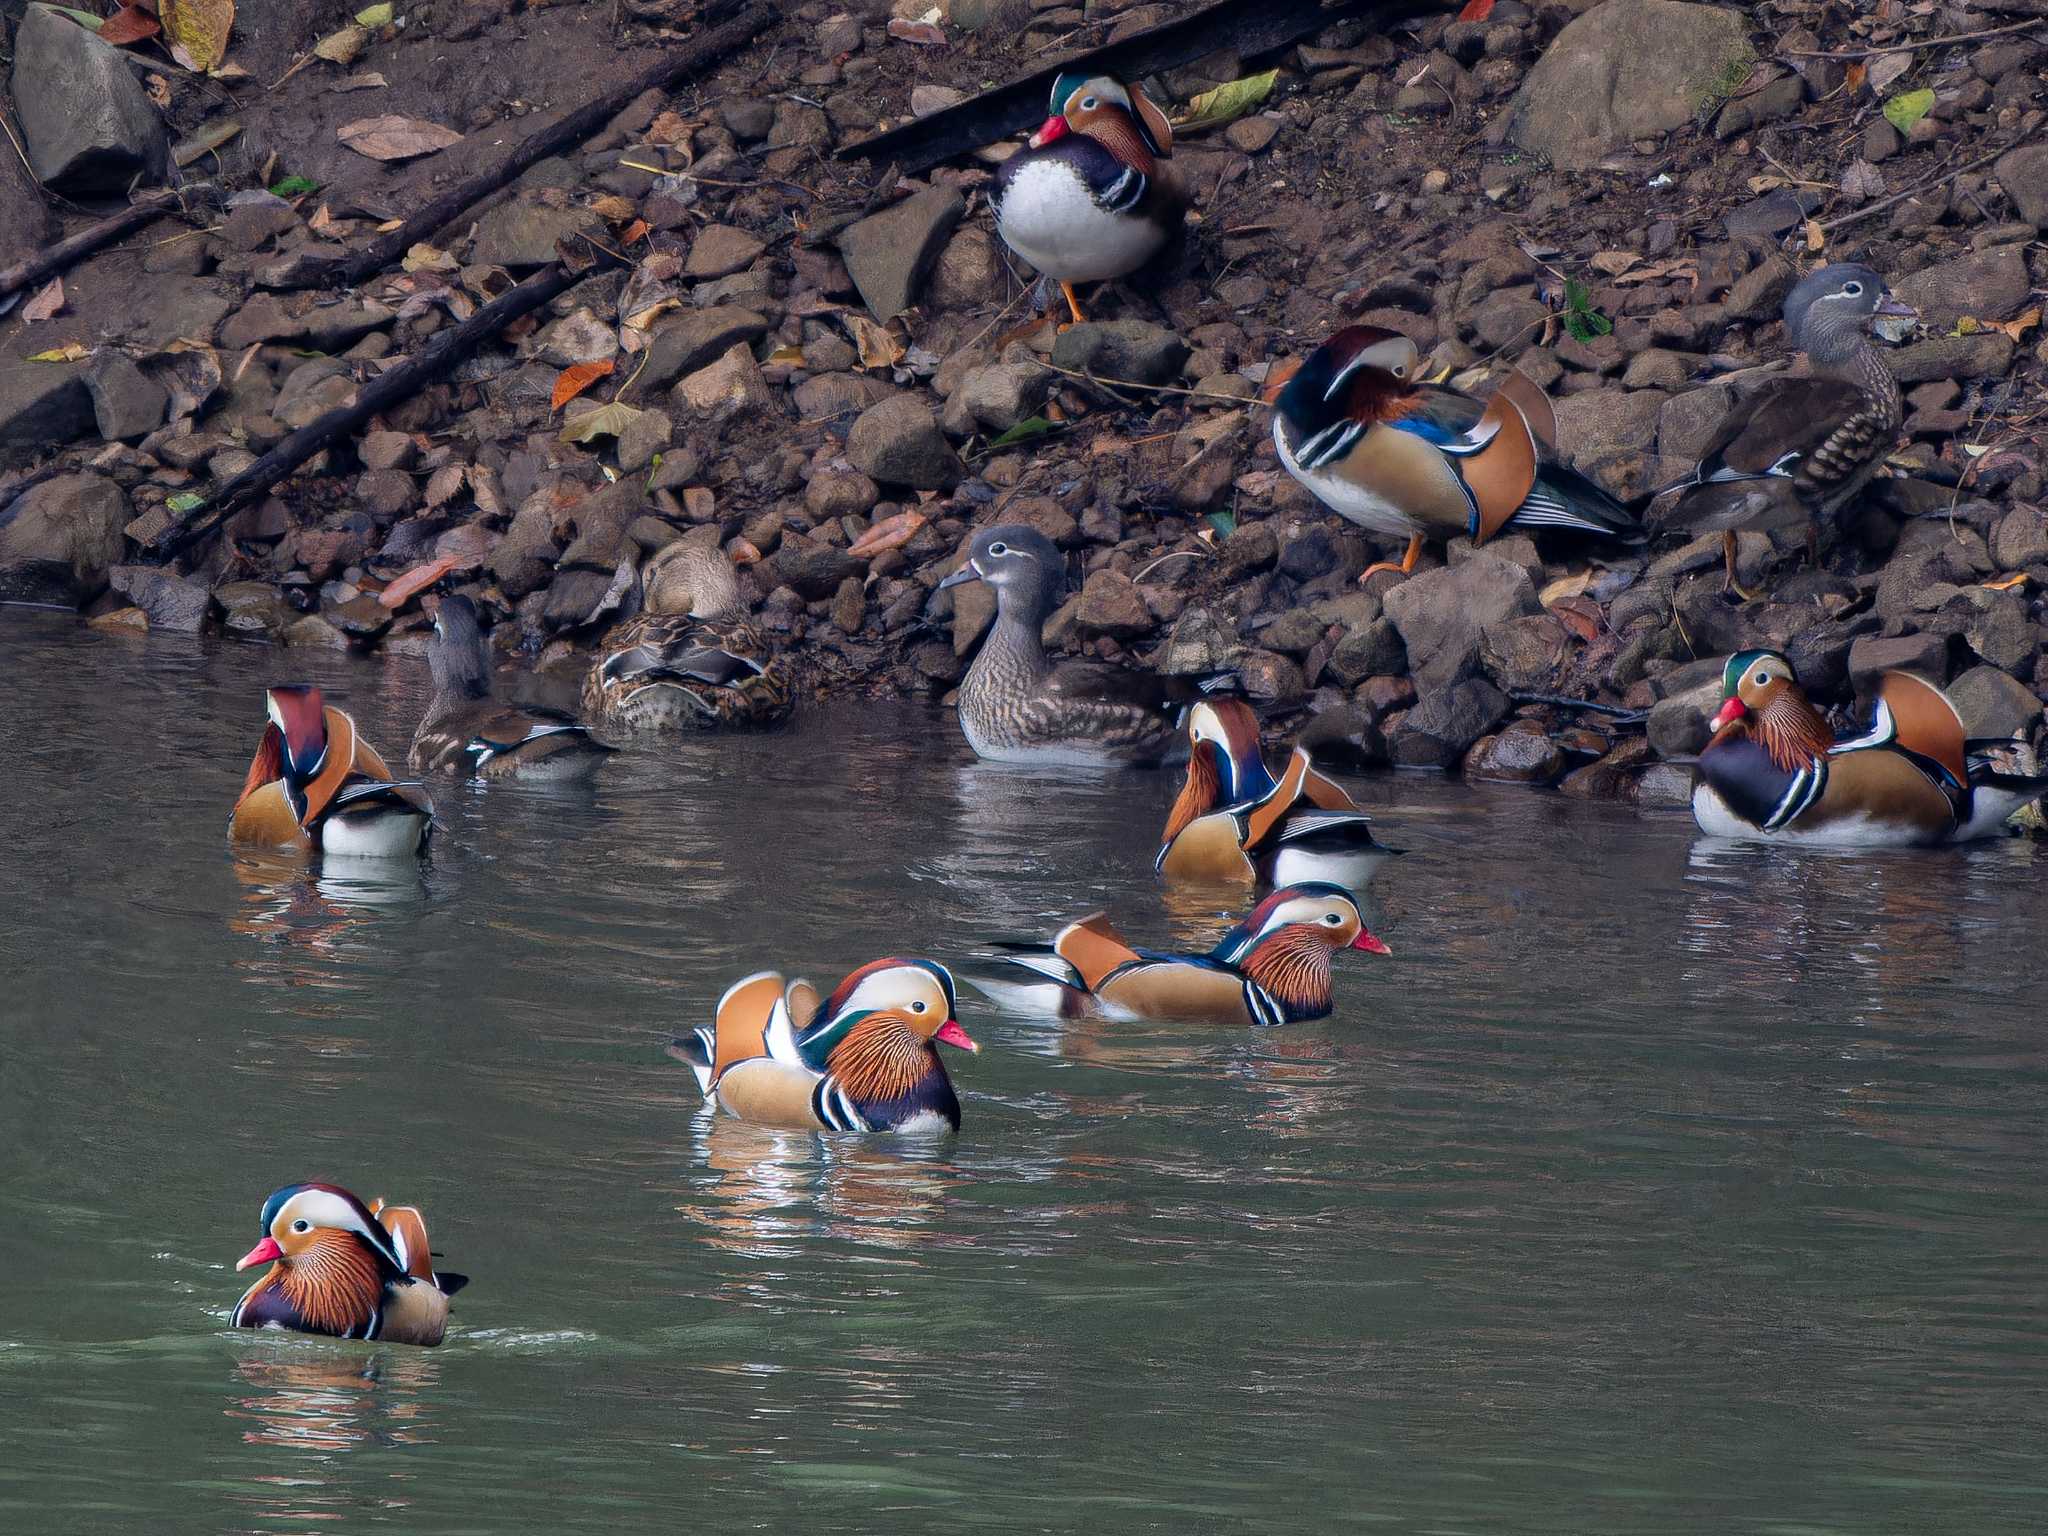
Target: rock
387	450
686	344
1987	285
645	436
1678	727
127	403
578	337
263	318
1665	784
1870	657
1613	777
254	611
1271	680
311	390
812	568
385	494
1130	350
1597	422
1985	355
1446	721
254	224
315	633
1111	605
898	442
834	394
734	380
1346	736
1523	655
1780	98
968	273
1759	294
62	538
2021	538
1994	704
24	219
1372	651
526	554
1249	135
42	405
1443	616
2023	173
523	233
835	493
1516	757
1994	625
721	251
1000	395
88	123
888	253
174	603
1629	69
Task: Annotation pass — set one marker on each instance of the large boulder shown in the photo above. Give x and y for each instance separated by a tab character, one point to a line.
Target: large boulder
1629	69
898	442
1443	616
1443	723
61	538
42	405
88	123
24	220
1986	285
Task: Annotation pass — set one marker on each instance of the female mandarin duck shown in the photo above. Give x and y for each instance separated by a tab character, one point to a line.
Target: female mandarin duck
862	1060
1272	968
1089	199
1016	706
1799	449
345	1269
315	783
1775	770
467	734
1357	426
692	660
1235	821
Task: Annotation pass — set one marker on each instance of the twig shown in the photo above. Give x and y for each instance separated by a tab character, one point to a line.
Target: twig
55	258
1162	389
1620	712
1913	191
1925	42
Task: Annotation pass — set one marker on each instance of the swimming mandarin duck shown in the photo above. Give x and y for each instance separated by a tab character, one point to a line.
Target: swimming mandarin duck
1357	426
345	1269
468	734
1799	449
1089	199
1272	968
692	660
1235	821
864	1059
315	783
1017	706
1774	769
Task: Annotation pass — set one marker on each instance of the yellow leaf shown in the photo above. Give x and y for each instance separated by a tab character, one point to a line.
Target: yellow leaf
70	352
426	258
374	16
605	421
343	47
197	31
1816	237
788	356
878	348
1227	103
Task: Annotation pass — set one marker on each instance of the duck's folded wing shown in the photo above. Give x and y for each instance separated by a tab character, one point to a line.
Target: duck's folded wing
1210	847
770	1092
408	1231
1780	428
1925	722
740	1032
1092	947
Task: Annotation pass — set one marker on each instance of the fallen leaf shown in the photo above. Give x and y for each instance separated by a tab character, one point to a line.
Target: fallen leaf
614	209
392	137
672	128
1476	10
1908	107
2018	328
1614	263
428	258
418	579
1574	585
70	352
374	16
575	379
1580	615
635	231
789	356
444	485
605	421
1853	75
367	82
1227	103
1887	68
2007	583
1816	237
204	142
48	301
878	348
227	72
923	33
1863	181
294	186
130	24
343	47
197	31
1024	431
159	90
483	486
889	533
186	501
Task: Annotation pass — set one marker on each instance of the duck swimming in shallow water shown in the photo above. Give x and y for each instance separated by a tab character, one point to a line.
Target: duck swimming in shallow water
468	734
316	784
341	1268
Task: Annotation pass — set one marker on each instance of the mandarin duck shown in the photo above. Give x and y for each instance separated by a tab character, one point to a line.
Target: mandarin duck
864	1059
1272	968
315	783
1017	706
1799	449
1235	821
345	1269
1773	768
467	734
1089	198
1360	429
692	660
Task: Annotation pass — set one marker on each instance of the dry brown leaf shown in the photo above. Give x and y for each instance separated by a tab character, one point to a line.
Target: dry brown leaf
418	579
70	352
1816	237
787	355
444	485
1882	71
49	299
922	33
672	128
740	551
635	231
878	347
1580	615
392	137
614	209
889	533
371	81
1853	76
483	486
1575	585
575	379
159	89
2018	328
130	24
197	31
1614	263
343	47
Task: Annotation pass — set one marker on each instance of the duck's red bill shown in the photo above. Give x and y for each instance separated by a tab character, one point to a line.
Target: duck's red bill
265	1252
1053	128
1732	709
953	1034
1371	943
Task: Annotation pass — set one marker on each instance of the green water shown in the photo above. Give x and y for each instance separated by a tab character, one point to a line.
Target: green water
1651	1185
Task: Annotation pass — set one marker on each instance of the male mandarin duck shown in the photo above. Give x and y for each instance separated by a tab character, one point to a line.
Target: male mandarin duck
345	1269
1357	425
1017	706
315	783
1235	821
862	1060
1775	770
1089	199
467	734
1272	968
691	660
1799	449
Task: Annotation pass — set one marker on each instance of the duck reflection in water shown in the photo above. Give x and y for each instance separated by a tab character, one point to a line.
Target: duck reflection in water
308	918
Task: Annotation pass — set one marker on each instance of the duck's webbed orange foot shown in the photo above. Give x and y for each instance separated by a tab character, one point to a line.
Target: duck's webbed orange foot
1406	566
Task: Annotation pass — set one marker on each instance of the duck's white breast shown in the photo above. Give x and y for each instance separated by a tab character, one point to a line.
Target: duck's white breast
1049	218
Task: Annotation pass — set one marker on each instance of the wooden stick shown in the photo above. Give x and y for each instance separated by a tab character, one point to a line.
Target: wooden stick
1245	27
437	357
1913	191
1925	42
55	258
671	70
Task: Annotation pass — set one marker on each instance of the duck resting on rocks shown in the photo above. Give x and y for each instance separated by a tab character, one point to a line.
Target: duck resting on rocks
1799	449
316	784
345	1269
1357	425
1090	198
1774	769
1017	706
466	733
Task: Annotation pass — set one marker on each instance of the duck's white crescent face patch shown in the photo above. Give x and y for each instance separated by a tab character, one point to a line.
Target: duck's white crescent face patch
901	989
322	1208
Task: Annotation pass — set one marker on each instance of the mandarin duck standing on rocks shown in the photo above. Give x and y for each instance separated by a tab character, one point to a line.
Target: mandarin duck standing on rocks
1089	198
692	660
1235	821
467	734
863	1059
1799	449
345	1269
1357	426
1775	770
1016	706
315	783
1272	968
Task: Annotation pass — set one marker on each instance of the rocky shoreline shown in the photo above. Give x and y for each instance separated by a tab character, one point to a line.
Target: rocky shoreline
1615	198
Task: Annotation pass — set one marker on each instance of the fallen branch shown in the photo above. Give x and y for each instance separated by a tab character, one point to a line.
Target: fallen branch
670	71
56	258
1242	27
394	385
1925	42
1913	191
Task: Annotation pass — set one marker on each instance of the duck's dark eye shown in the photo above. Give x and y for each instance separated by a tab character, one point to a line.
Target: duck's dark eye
999	549
1400	370
1761	678
917	1007
302	1225
1089	103
1333	918
1853	290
